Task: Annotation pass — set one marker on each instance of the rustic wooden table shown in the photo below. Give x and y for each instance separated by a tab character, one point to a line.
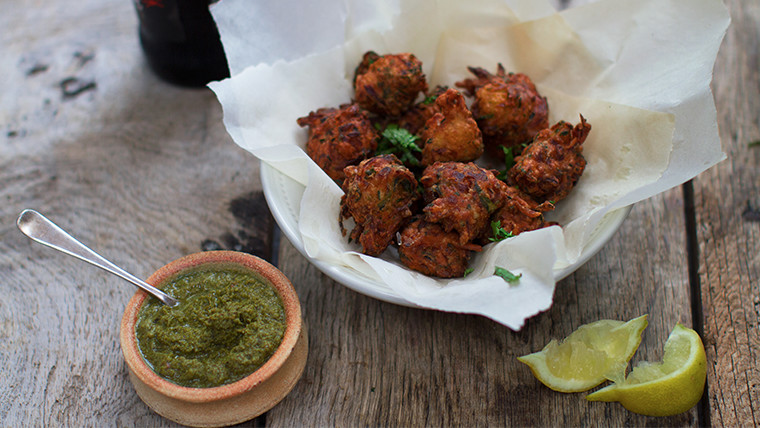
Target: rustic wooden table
144	172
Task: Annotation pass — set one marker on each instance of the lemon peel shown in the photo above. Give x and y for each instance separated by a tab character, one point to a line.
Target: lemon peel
593	353
666	388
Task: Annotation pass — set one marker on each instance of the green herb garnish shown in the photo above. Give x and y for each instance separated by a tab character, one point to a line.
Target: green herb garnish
506	275
499	234
509	161
400	142
430	99
468	271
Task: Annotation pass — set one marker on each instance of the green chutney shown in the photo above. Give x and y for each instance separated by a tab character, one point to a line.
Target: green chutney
228	324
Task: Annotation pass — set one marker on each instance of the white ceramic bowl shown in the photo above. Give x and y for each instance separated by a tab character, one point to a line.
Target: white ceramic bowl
283	194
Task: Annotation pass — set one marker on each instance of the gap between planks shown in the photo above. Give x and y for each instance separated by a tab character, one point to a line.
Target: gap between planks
695	288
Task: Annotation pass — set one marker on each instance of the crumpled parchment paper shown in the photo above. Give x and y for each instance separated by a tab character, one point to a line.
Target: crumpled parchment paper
638	70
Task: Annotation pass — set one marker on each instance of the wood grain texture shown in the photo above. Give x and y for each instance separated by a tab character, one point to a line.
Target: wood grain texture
141	171
727	200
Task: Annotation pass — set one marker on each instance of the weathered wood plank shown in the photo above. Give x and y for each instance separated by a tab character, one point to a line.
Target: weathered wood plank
60	316
727	200
141	171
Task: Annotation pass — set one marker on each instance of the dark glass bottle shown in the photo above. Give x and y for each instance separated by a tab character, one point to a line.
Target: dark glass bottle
181	41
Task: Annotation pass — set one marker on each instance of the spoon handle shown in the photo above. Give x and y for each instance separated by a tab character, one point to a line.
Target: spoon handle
40	229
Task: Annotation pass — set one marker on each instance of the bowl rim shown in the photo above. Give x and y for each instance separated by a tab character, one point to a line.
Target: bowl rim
273	181
261	268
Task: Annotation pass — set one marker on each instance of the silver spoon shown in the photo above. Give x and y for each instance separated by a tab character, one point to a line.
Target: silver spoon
44	231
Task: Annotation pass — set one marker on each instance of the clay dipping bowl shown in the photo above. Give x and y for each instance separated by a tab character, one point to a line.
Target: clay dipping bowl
235	402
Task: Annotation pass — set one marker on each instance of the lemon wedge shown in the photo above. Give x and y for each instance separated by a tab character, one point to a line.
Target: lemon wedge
665	388
590	355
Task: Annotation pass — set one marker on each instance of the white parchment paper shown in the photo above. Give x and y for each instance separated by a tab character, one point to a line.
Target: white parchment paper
638	70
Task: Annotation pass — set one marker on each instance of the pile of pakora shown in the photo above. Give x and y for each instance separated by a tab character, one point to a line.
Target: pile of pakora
404	155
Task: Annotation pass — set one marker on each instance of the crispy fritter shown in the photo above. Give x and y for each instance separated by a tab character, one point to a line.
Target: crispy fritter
429	249
367	59
415	118
549	168
339	138
519	214
378	195
388	85
507	107
451	134
461	197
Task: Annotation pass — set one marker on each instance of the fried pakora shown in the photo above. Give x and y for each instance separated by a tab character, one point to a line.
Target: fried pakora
507	107
429	249
461	197
440	215
339	138
451	134
415	118
549	168
388	85
519	214
378	195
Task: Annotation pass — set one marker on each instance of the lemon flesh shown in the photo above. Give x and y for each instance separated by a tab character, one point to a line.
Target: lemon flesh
664	388
590	355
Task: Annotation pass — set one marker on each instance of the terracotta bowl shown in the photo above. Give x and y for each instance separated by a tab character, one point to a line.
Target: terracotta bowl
235	402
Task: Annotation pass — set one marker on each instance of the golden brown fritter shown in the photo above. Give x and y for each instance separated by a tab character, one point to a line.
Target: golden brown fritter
461	197
367	59
519	214
339	138
388	85
451	134
378	195
427	248
416	117
507	107
549	168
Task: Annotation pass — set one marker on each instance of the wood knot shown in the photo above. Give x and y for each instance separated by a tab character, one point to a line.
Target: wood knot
72	87
751	214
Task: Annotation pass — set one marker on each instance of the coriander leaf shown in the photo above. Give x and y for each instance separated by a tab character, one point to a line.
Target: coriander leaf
509	161
468	271
400	142
499	233
430	100
506	275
